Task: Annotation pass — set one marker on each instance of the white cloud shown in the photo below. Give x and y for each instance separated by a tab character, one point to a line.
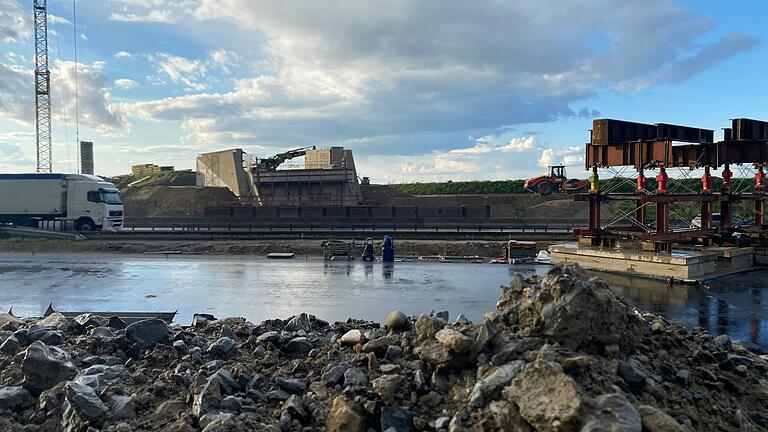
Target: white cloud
55	19
15	21
123	54
224	59
179	69
156	16
125	83
518	145
567	156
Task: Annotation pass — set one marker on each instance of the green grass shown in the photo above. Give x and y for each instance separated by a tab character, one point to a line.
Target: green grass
165	178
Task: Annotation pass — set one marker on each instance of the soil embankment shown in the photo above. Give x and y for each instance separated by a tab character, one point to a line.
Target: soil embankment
560	353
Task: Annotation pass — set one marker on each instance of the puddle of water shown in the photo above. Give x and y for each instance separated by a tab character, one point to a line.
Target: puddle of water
259	289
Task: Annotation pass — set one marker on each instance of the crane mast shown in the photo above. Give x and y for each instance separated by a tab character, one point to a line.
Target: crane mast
42	89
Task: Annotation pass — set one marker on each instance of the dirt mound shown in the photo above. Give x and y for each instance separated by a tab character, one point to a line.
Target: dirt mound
174	201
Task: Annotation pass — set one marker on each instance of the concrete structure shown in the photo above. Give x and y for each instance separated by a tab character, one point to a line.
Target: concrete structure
146	169
86	157
328	178
225	169
680	264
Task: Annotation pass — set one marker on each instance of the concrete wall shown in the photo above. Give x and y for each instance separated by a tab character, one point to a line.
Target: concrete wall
224	168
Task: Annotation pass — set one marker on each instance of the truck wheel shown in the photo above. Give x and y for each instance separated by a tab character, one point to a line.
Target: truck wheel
545	188
85	224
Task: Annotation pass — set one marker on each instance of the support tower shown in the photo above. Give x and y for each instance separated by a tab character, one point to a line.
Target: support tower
42	89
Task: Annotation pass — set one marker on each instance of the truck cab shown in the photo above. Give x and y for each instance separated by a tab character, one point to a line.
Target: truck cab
93	204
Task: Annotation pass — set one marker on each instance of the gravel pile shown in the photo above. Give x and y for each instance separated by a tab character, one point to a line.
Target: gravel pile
560	353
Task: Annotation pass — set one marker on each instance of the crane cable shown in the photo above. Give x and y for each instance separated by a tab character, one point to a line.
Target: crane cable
77	104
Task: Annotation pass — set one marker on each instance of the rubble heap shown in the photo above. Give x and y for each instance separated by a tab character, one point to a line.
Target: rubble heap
560	353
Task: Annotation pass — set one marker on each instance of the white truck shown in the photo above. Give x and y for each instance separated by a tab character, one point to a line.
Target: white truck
80	201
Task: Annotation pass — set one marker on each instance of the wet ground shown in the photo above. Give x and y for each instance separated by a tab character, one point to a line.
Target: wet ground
259	289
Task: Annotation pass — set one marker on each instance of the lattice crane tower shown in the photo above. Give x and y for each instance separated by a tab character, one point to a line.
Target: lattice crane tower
42	89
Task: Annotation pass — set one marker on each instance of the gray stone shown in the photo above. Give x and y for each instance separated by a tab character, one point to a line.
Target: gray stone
355	377
634	377
55	319
270	336
99	376
149	332
44	366
683	375
420	380
285	421
442	422
295	406
387	386
299	322
507	418
352	337
393	353
222	347
180	345
494	382
399	419
485	337
46	335
655	420
207	397
292	385
397	320
122	407
10	346
613	412
227	383
297	346
15	398
427	326
231	403
722	341
84	400
462	320
90	320
335	374
103	333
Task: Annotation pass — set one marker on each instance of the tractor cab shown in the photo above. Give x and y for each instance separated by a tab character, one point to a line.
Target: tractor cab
556	171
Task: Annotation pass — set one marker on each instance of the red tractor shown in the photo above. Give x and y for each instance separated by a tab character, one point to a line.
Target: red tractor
556	181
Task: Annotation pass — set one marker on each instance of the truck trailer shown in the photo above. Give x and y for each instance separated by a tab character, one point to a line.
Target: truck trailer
84	202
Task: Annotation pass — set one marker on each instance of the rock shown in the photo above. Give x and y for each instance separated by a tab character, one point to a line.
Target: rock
44	366
343	417
10	346
380	345
655	420
292	385
227	383
202	319
231	403
56	320
722	341
297	346
46	335
658	326
222	347
485	337
634	377
270	336
285	421
462	320
426	327
393	353
52	397
84	399
352	337
333	375
683	375
507	418
442	423
389	368
15	398
493	382
397	419
613	412
355	377
90	320
103	333
420	380
99	376
387	386
295	406
299	322
546	397
116	323
149	332
454	340
207	397
122	407
570	308
397	320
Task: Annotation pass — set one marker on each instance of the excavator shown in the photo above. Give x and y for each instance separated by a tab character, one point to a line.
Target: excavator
555	181
271	163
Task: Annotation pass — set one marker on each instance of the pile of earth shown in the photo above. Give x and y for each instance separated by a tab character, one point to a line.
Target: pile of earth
174	201
560	353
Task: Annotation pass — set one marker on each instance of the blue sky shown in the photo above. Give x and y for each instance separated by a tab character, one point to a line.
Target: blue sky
420	89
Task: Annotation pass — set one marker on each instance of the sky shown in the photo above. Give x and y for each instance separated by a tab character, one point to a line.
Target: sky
420	90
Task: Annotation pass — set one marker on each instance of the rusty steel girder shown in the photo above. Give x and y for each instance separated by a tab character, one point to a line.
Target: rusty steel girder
650	154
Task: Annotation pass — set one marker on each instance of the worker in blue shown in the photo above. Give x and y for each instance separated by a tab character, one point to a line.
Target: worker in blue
368	250
388	249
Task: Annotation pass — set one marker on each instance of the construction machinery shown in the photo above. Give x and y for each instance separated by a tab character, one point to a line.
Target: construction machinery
271	163
555	181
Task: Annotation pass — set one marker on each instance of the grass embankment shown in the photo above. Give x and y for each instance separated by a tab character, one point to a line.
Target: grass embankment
165	178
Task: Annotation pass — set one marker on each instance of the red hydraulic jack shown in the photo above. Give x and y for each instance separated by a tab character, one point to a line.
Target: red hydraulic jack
759	196
725	201
706	206
662	211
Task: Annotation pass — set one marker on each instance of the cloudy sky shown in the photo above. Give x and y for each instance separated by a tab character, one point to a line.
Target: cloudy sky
420	89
